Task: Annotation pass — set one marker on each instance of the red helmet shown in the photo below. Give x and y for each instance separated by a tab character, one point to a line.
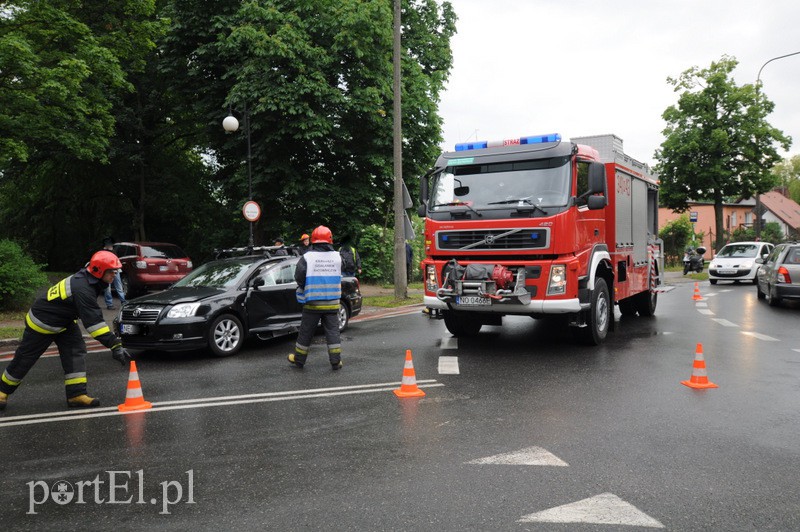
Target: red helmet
304	236
321	234
102	261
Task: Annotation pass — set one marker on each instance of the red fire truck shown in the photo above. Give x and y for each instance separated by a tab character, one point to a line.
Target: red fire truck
540	226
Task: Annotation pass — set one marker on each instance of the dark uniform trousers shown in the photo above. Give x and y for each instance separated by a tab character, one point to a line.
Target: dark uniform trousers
71	348
308	324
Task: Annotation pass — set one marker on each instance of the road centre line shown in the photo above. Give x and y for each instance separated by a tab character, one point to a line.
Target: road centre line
724	322
705	311
217	401
760	336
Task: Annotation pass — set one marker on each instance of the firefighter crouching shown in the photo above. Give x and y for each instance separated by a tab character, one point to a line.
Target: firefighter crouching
53	318
319	288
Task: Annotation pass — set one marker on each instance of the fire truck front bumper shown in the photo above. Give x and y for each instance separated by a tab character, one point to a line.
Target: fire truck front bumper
536	306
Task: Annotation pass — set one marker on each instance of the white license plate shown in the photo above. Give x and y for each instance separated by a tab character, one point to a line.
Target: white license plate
473	301
163	268
127	328
726	271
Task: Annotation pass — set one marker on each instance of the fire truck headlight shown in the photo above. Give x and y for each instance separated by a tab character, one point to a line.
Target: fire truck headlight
430	278
558	280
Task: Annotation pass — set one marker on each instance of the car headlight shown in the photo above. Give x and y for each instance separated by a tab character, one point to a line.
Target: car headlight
184	310
747	265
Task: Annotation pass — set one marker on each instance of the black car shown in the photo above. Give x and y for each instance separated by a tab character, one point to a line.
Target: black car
217	305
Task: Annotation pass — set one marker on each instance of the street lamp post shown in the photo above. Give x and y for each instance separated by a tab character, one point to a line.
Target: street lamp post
758	89
231	124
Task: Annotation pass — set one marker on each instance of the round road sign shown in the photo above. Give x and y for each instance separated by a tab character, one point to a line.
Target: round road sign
251	211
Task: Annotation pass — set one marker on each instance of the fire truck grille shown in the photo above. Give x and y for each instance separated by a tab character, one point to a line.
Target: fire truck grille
493	239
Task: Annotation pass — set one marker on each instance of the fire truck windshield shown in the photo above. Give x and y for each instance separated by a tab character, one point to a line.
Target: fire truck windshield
539	183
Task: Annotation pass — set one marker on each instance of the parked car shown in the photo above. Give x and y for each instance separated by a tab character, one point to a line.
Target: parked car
779	274
737	261
150	266
222	302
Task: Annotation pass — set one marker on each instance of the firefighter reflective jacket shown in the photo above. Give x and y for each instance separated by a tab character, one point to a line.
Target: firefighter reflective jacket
319	278
70	299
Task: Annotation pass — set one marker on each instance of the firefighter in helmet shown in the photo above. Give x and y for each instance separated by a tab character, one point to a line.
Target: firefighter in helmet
319	288
53	318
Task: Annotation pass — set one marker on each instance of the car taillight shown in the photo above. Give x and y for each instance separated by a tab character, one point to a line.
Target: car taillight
141	264
783	275
189	264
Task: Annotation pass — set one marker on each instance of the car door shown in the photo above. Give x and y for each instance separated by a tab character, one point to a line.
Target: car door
269	305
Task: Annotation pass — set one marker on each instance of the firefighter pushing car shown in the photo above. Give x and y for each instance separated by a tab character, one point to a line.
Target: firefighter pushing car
53	318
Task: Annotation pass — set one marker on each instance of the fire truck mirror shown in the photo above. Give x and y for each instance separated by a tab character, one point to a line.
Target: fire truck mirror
597	178
596	202
461	191
422	211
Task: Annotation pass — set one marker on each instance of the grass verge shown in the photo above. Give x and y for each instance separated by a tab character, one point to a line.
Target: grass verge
390	301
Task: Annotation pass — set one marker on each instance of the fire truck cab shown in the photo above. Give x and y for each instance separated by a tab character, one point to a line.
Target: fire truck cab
540	226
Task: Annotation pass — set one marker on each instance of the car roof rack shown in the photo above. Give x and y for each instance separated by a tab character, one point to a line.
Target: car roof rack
258	251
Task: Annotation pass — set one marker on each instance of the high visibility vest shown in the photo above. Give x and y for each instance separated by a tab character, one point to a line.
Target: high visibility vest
323	277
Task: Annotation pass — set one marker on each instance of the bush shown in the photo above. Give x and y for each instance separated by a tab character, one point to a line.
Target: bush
20	277
676	235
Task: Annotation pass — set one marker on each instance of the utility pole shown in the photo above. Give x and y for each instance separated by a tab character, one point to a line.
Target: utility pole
758	92
400	279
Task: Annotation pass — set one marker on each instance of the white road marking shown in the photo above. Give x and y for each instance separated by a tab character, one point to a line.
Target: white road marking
448	365
529	456
798	350
705	311
726	323
711	294
701	304
206	402
449	342
604	509
760	336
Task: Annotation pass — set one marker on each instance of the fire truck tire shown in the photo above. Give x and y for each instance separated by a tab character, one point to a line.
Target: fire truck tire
627	307
646	303
461	325
599	314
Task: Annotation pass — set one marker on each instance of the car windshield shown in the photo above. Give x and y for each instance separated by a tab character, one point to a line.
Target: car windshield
738	250
163	252
543	183
220	274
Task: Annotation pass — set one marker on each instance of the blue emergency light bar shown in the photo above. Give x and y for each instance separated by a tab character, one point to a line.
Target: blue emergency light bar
481	144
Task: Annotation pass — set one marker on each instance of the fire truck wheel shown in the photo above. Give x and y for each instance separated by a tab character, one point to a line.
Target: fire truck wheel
461	325
599	314
646	303
627	307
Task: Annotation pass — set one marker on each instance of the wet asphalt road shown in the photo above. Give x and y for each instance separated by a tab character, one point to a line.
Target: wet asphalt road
289	453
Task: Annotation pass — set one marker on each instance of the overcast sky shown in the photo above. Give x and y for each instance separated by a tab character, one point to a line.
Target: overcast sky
589	67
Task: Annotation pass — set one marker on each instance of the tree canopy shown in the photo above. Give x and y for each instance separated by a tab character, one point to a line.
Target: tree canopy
111	113
718	144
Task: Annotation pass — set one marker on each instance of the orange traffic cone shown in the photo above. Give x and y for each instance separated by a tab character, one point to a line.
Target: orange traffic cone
699	376
134	398
408	387
697	296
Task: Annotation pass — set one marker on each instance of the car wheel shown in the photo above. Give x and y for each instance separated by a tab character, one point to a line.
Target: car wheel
771	299
712	281
344	315
225	336
759	293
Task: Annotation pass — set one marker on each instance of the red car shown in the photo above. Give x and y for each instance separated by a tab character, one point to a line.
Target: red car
150	265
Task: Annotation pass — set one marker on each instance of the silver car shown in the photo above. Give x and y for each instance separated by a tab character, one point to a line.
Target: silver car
779	275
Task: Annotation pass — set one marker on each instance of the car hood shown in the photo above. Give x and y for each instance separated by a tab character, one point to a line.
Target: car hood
727	261
183	294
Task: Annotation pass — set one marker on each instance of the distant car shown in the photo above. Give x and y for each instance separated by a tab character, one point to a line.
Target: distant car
222	302
737	261
779	275
150	265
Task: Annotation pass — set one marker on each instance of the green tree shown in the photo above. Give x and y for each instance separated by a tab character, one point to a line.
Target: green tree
718	143
676	235
771	232
56	83
787	175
